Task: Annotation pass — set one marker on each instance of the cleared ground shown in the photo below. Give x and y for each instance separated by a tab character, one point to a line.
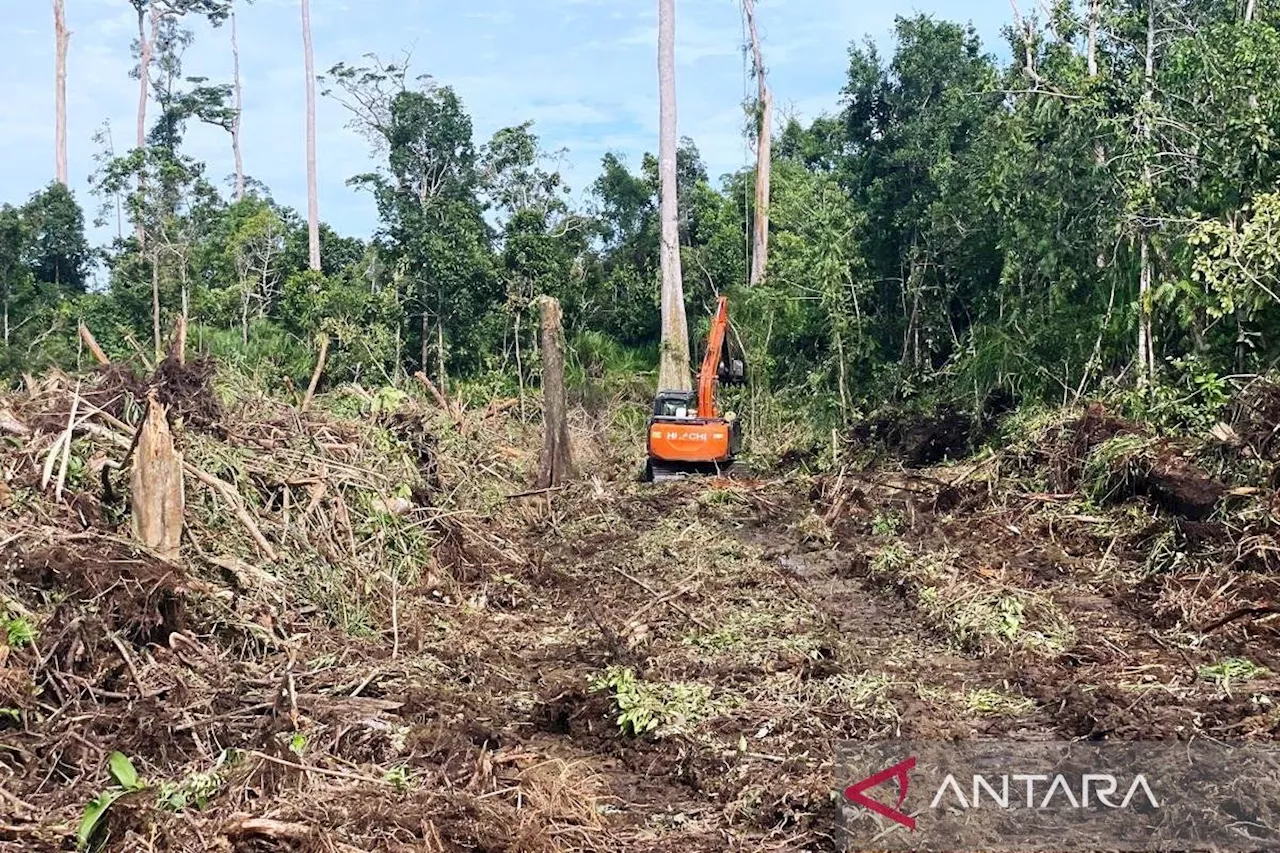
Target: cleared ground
449	673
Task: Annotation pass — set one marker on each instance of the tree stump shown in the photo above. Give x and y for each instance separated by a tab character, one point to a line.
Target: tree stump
556	465
156	491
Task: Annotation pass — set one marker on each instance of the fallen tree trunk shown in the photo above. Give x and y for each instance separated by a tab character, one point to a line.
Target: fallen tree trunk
556	464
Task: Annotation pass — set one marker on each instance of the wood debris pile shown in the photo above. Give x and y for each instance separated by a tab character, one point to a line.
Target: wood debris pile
222	594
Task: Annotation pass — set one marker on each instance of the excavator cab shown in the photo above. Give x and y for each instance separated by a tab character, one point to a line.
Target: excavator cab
687	431
675	404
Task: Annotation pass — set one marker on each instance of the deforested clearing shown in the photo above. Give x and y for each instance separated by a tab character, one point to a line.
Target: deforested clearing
424	662
596	426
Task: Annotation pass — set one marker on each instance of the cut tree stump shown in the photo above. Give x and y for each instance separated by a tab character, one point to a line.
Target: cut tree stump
156	489
556	465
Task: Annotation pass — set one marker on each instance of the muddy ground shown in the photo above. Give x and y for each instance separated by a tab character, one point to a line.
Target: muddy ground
747	625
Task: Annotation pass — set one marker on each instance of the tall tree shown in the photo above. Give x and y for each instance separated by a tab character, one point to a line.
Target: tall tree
313	192
59	254
152	16
146	49
428	200
764	149
673	365
62	37
1146	275
238	107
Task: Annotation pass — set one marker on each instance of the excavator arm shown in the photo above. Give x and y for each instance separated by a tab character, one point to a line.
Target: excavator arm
711	360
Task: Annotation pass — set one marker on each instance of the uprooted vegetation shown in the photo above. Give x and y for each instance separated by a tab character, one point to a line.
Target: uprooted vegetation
375	639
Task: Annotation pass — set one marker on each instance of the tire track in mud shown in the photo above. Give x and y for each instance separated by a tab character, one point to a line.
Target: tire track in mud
881	634
636	576
1127	673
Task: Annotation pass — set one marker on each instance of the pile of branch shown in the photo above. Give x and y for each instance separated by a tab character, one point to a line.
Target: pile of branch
168	567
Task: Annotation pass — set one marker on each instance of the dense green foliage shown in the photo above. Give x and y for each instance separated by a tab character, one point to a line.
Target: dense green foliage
957	226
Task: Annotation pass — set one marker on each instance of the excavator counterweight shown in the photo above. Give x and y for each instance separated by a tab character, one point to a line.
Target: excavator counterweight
687	434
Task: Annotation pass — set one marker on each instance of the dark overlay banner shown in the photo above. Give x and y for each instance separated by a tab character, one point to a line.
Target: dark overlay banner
1059	796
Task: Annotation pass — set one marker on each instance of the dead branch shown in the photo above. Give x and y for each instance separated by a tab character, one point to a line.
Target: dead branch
533	492
441	400
635	580
268	828
315	375
1238	614
10	424
323	771
91	344
66	445
232	497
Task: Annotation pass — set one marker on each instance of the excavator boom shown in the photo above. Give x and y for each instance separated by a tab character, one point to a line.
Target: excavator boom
711	360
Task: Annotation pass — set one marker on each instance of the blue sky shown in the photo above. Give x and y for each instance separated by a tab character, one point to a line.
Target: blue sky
583	70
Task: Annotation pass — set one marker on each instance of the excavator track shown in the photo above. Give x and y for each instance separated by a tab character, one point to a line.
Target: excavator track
665	472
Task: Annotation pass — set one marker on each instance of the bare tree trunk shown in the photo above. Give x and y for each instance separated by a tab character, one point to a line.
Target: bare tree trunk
425	328
313	194
673	367
1146	340
1250	9
185	316
1146	346
155	305
443	374
62	37
156	491
1029	57
556	464
1099	153
519	366
764	152
239	109
178	346
146	49
1095	12
321	359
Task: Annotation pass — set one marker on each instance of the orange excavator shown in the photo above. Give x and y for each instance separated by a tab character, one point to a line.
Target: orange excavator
687	433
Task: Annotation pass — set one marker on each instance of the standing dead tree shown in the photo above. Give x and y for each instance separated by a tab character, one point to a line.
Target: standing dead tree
764	149
673	365
556	465
313	193
238	92
146	52
62	36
